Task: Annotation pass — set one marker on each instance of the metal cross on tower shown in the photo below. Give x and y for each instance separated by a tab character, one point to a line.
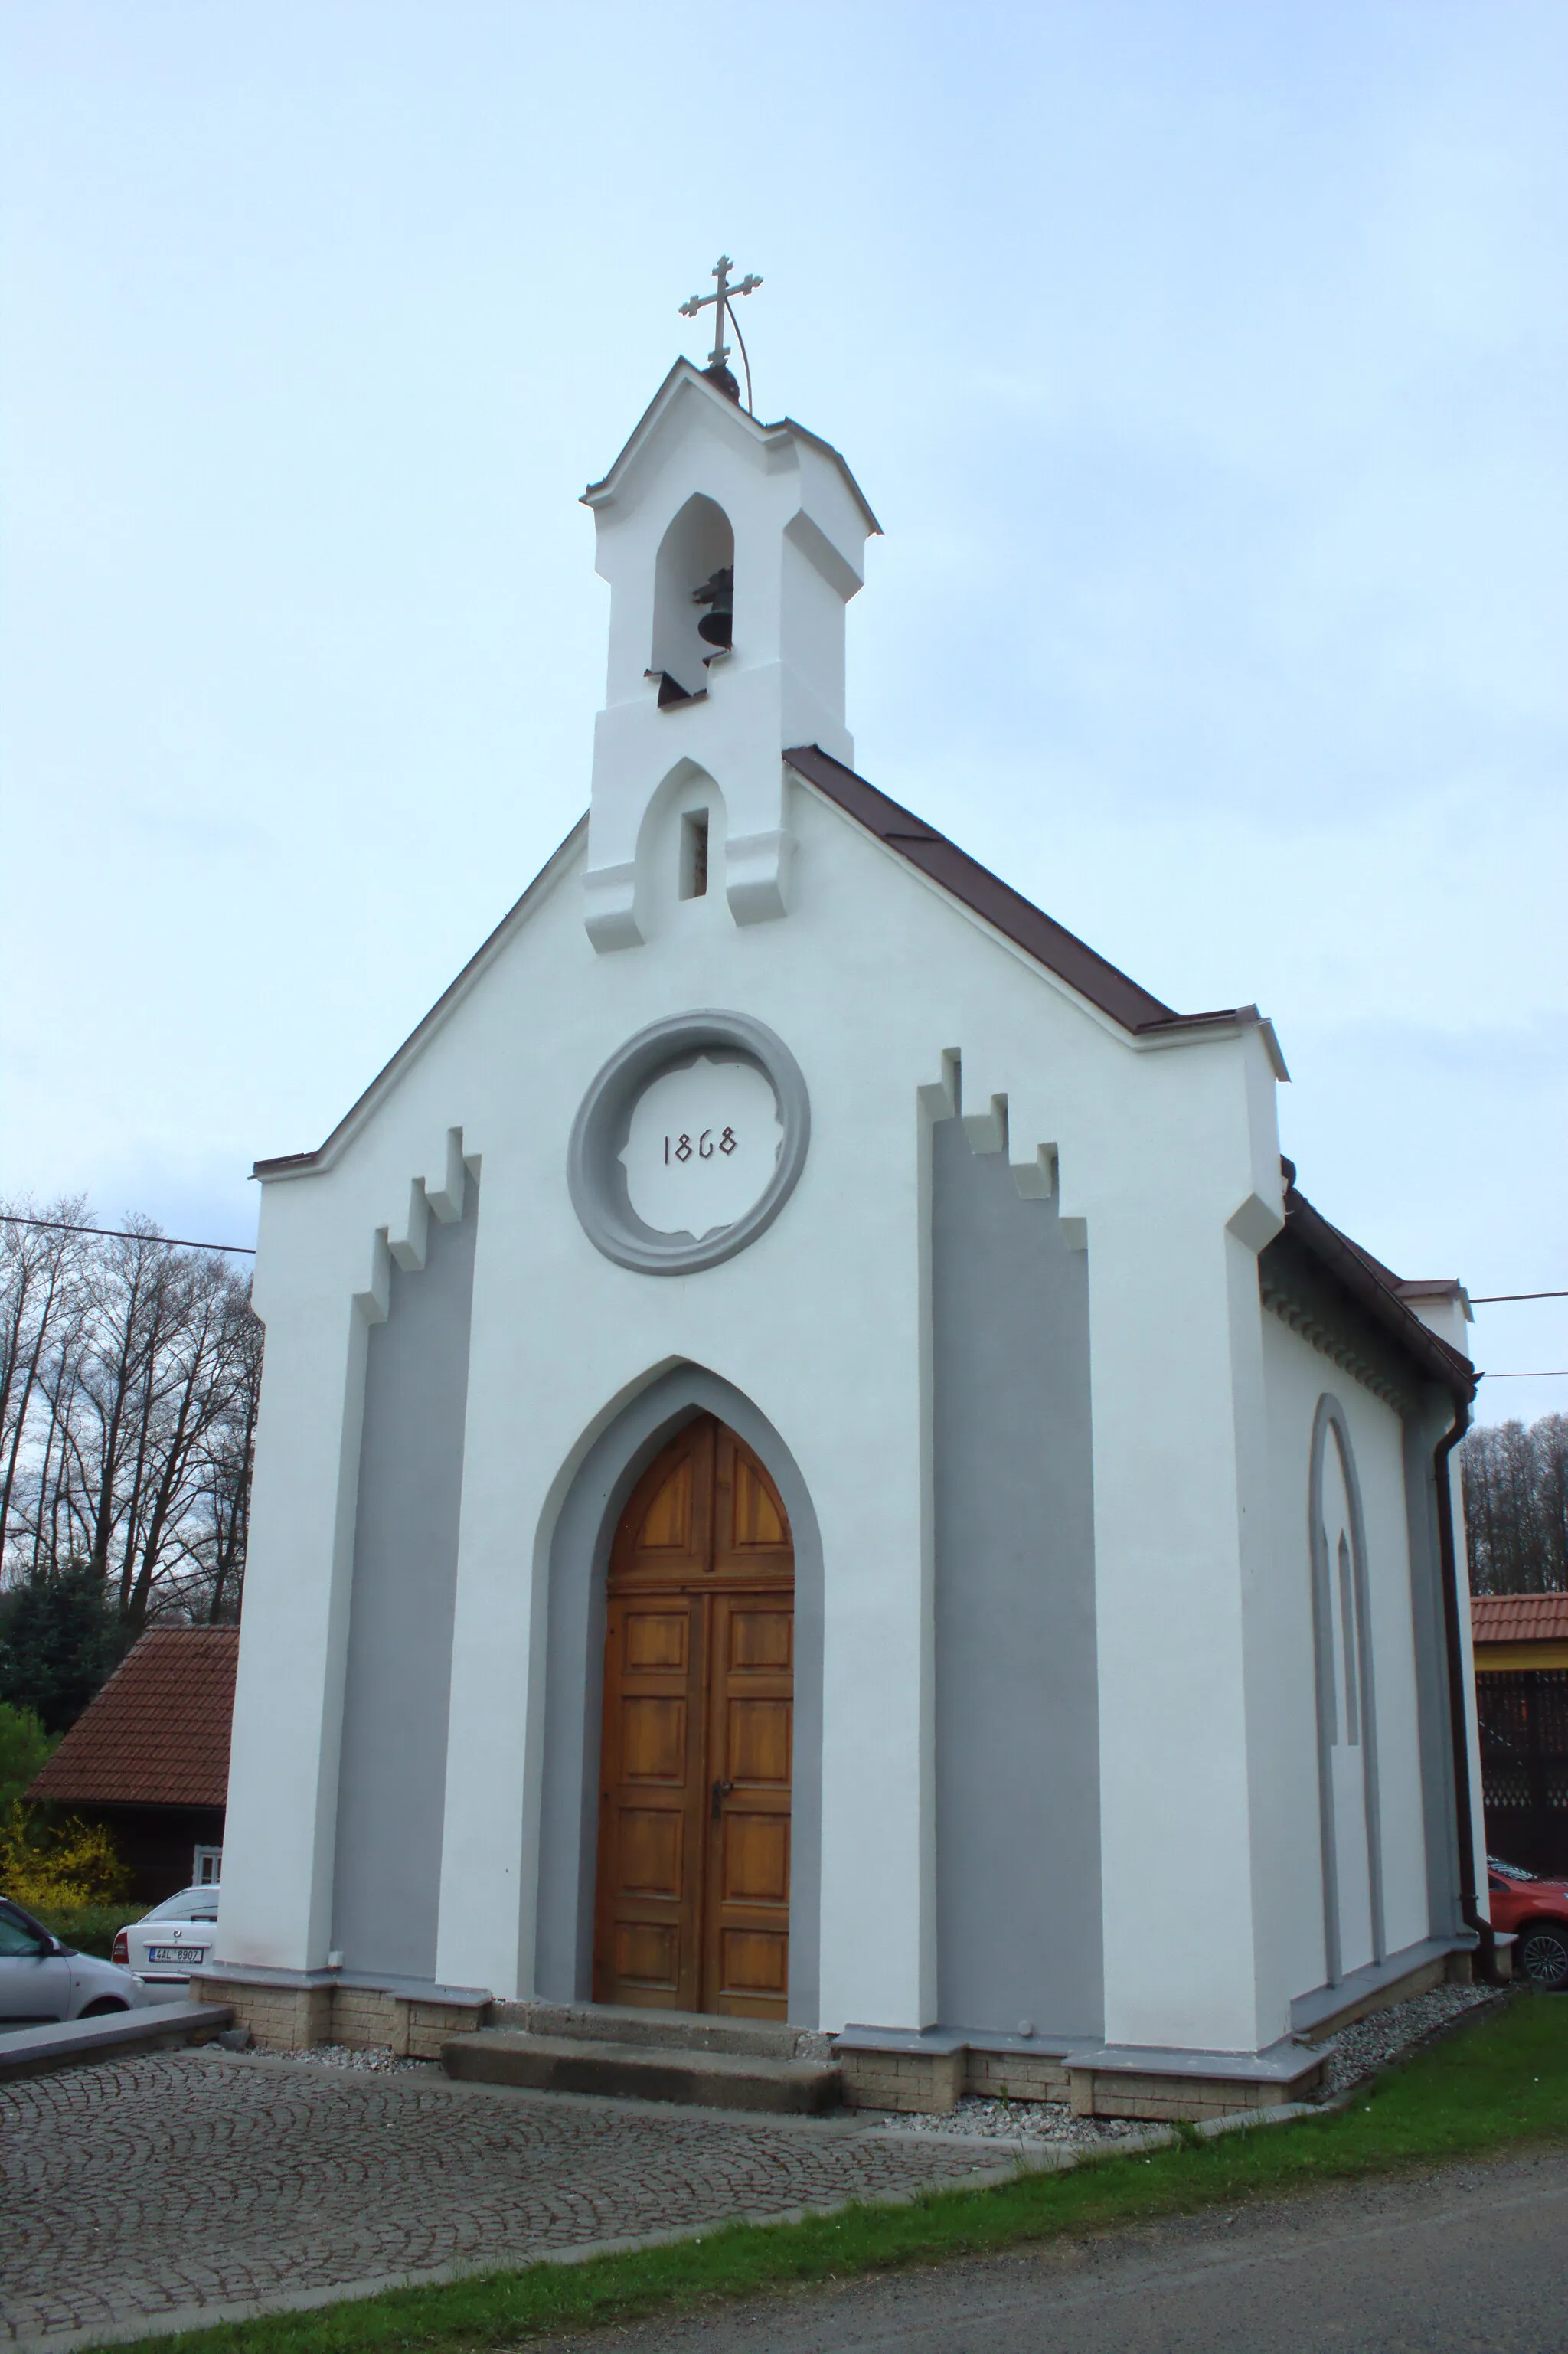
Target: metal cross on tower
723	298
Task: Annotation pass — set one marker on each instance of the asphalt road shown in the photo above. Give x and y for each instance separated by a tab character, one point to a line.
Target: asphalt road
1473	2259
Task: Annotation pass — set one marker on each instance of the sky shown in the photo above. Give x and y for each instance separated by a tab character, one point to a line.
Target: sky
1204	361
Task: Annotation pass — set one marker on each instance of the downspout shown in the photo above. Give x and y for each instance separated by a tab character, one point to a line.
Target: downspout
1458	1714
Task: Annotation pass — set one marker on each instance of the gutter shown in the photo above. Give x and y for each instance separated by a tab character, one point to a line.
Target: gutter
1459	1718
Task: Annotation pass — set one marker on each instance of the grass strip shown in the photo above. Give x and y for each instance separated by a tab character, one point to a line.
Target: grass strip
1499	2084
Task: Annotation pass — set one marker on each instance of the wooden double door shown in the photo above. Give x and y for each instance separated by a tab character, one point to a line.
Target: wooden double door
693	1895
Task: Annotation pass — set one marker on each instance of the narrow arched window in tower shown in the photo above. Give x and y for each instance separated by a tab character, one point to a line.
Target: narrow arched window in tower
694	855
693	600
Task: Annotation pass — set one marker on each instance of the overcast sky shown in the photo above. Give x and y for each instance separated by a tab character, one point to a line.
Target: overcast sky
1203	360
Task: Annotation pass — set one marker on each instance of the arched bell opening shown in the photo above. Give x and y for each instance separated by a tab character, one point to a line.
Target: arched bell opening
693	600
631	1580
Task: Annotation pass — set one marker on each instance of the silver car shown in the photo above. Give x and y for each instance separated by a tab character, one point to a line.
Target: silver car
174	1939
42	1979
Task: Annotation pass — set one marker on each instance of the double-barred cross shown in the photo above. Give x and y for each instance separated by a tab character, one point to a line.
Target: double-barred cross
723	297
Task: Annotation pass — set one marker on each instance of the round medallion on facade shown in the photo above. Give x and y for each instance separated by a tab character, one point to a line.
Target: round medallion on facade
689	1143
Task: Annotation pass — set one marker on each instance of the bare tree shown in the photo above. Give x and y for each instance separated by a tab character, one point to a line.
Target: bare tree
40	1286
129	1376
1516	1506
227	1456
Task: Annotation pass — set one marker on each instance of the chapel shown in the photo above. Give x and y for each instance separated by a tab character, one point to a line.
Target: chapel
815	1467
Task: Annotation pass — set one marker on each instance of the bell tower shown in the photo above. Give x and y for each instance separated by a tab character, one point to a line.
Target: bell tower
731	548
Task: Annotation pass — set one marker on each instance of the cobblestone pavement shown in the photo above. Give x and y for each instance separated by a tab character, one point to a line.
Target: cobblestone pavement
179	2180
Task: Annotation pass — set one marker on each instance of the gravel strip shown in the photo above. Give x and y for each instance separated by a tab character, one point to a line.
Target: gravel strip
1354	2054
1359	2052
377	2056
981	2119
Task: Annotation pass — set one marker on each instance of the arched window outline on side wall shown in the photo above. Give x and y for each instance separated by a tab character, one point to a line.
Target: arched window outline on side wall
697	543
1346	1707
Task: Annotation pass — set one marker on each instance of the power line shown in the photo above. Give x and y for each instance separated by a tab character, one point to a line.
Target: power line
123	1234
1560	1374
247	1250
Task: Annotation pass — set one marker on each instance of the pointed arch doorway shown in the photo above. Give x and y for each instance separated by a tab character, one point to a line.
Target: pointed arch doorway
692	1909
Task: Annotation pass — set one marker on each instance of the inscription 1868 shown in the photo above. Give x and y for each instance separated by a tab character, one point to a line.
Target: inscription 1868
702	1148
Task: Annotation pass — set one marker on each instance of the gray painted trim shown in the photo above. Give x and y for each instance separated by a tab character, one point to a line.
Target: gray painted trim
952	2038
260	1974
854	2037
397	1680
1331	1416
456	1998
1019	1910
1323	2001
594	1173
1276	2063
578	1563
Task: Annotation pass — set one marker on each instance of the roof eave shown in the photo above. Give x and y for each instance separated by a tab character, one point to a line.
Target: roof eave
1349	1266
601	492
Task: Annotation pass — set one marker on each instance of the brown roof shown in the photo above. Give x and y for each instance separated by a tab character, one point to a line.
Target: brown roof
157	1734
1519	1618
1007	911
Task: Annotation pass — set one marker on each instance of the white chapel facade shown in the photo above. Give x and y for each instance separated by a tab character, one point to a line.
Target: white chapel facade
813	1463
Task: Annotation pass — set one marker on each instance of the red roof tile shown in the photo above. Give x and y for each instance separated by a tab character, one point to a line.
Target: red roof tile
1519	1618
157	1734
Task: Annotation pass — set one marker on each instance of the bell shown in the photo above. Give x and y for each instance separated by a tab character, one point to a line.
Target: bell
717	593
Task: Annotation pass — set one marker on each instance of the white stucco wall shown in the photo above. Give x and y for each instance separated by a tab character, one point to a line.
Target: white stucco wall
870	978
1378	1436
1290	1940
1282	1694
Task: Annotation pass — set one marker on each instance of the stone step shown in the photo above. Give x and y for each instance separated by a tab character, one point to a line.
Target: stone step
642	2071
682	2031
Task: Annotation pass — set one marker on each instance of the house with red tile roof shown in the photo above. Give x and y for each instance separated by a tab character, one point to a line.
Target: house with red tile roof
1521	1643
149	1757
1519	1630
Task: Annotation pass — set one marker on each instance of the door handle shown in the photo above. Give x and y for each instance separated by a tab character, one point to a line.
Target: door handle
721	1792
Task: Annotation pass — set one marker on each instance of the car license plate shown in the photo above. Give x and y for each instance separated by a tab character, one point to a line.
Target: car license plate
177	1954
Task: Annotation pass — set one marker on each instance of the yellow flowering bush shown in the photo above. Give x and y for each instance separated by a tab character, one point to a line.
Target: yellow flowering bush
57	1867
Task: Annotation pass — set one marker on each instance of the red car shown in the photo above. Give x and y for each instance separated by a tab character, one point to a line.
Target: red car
1536	1911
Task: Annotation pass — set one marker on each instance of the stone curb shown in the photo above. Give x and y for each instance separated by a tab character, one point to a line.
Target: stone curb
74	2043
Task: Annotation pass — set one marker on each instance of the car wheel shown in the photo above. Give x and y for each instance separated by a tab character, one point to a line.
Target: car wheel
1543	1953
103	2010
